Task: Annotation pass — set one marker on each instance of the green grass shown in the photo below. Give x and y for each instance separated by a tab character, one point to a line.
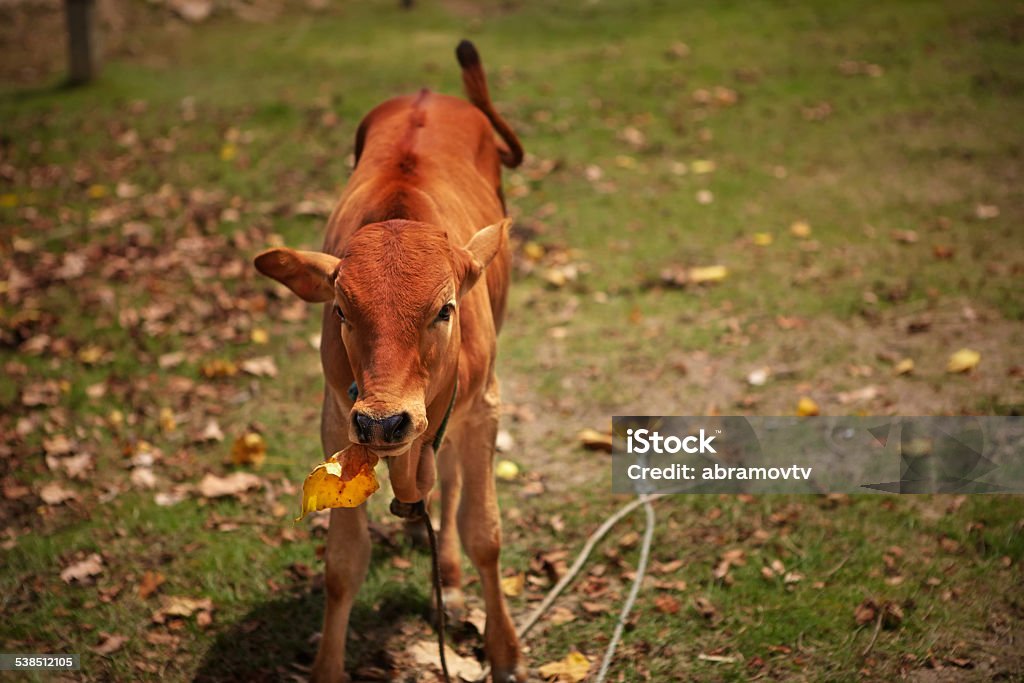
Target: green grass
275	106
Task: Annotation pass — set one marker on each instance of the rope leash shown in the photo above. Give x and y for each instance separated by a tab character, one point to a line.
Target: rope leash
581	560
418	511
645	551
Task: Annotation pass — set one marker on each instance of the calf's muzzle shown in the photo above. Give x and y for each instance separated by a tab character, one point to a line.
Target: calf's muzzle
373	430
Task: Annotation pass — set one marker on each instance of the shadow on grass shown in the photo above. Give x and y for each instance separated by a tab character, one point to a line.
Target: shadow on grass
275	640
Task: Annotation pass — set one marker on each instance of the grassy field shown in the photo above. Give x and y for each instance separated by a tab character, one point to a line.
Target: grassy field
855	167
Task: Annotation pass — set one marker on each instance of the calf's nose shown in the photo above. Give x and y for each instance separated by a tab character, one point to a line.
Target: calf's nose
388	429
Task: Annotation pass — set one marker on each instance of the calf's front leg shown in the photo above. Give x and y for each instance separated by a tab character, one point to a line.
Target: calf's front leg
347	557
346	560
479	525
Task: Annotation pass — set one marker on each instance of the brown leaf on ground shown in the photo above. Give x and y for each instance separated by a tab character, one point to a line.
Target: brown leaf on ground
110	644
864	394
262	366
866	612
45	393
249	449
425	654
561	615
595	607
76	466
666	567
593	440
219	367
705	608
211	432
149	583
83	570
892	615
233	484
180	607
629	539
58	445
666	604
53	493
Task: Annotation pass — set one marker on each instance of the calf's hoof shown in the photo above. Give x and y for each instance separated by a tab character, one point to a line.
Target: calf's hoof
328	674
454	605
505	675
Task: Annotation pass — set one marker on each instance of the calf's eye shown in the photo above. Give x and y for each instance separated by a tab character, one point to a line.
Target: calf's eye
445	314
337	312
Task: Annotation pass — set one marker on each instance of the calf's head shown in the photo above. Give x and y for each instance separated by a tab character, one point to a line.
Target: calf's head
396	292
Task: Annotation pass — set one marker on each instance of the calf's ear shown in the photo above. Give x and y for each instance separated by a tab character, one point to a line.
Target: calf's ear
481	250
310	274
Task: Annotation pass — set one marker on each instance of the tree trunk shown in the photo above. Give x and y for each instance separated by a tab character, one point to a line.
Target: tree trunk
82	49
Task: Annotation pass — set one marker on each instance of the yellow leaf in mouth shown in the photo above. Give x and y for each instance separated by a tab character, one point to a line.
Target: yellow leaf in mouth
345	480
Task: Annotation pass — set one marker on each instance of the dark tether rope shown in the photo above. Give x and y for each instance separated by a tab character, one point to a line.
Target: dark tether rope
413	512
418	511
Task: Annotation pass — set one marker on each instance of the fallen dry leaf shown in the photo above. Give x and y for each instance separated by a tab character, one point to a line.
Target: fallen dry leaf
573	668
54	493
705	608
249	449
346	480
904	367
143	478
506	470
863	394
179	606
806	407
865	612
593	440
963	360
233	484
707	274
219	367
45	393
211	432
110	644
424	654
168	423
149	583
504	442
666	604
667	567
76	466
512	586
83	570
892	615
561	615
702	166
800	229
58	445
758	377
262	366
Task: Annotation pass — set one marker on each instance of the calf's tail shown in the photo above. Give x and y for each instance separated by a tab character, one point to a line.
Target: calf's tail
475	83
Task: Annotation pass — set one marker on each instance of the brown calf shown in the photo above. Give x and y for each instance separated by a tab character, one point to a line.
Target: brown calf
412	318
